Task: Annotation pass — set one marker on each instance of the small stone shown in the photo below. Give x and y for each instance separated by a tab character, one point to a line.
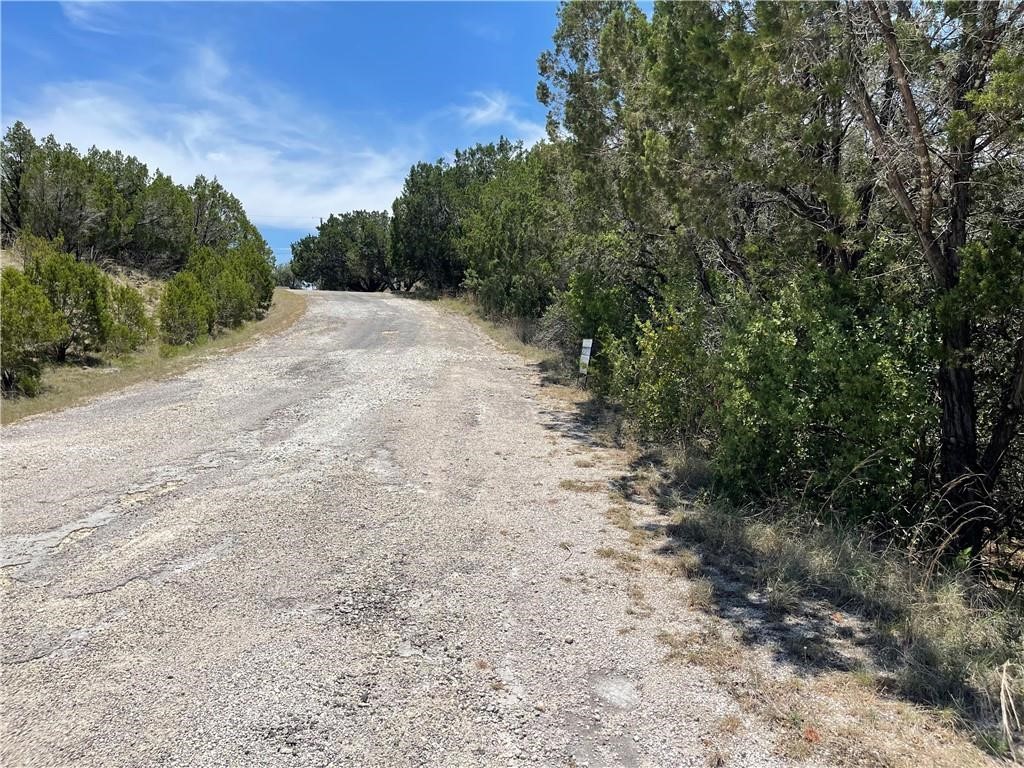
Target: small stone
570	640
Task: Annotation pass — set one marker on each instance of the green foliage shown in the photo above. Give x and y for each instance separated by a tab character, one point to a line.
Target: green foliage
106	207
431	213
238	281
284	276
667	383
78	292
425	230
15	153
233	299
28	329
349	252
162	218
185	310
825	398
510	240
129	325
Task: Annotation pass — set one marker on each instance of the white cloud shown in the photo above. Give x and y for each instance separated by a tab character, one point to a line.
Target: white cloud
91	15
496	108
287	165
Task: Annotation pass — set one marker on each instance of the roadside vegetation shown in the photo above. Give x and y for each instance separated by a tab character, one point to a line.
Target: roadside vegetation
794	233
81	231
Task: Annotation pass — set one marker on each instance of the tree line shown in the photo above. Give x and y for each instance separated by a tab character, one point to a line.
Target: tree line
107	208
794	231
74	218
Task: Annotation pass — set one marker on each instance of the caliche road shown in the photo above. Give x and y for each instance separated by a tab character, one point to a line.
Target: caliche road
370	540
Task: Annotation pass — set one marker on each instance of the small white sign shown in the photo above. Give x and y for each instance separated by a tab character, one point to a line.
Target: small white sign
585	355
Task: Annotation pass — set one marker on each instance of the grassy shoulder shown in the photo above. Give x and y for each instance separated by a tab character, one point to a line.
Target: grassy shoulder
878	629
64	386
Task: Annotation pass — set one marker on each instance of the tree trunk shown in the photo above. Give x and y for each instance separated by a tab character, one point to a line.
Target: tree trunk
964	489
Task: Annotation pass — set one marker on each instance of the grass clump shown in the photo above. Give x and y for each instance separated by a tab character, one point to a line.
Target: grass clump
941	634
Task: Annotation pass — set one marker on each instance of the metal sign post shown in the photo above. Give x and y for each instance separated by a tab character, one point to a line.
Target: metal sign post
588	344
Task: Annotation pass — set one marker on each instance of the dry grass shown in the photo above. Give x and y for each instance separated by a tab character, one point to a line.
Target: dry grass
68	385
620	517
580	486
944	637
910	631
824	717
700	593
626	561
730	724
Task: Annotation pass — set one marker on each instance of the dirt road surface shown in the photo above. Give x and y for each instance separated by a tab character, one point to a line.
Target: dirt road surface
371	540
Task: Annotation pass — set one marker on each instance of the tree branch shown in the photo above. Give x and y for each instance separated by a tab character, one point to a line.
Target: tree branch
913	115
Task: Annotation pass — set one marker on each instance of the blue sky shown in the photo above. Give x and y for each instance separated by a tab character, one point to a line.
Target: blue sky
301	109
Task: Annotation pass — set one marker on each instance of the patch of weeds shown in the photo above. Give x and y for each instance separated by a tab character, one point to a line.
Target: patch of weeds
594	486
730	724
638	601
619	516
627	561
699	593
585	463
781	595
943	634
638	536
706	648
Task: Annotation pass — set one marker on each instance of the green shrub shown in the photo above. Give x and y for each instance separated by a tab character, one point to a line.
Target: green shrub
185	310
130	327
28	329
233	298
667	383
825	395
255	268
77	292
239	281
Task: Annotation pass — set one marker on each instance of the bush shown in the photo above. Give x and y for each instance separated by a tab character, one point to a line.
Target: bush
253	266
130	327
185	310
285	277
825	399
233	298
77	291
28	328
239	281
667	383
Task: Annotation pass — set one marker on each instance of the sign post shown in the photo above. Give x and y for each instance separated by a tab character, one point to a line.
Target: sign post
588	344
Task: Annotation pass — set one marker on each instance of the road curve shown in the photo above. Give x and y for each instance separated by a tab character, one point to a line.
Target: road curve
351	544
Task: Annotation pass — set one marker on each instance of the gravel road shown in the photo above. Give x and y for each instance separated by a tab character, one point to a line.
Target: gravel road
371	540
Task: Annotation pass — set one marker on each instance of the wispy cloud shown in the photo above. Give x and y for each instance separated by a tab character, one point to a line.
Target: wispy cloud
288	165
496	108
91	15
